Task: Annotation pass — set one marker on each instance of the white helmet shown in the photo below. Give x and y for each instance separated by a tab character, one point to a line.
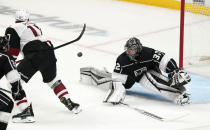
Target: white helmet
21	15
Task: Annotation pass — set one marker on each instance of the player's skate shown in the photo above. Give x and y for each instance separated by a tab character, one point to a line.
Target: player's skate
183	99
74	107
27	116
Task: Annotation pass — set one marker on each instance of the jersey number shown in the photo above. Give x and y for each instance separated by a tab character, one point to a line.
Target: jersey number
158	55
117	67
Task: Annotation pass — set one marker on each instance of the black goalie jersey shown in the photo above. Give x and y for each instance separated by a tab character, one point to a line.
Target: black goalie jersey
148	59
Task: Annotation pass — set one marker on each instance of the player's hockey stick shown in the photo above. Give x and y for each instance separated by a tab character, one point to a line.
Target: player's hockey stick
77	39
62	45
153	115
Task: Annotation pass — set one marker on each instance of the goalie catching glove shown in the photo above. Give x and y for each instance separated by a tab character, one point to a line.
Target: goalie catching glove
179	78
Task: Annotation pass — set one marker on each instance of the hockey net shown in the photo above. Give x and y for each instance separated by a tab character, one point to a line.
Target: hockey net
196	38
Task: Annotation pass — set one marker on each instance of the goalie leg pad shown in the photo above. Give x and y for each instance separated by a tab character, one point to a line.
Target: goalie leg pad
96	77
158	84
115	94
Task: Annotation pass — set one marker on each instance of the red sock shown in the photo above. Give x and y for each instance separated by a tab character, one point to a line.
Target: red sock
60	91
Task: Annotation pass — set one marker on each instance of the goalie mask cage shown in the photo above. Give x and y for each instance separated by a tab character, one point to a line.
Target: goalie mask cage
194	33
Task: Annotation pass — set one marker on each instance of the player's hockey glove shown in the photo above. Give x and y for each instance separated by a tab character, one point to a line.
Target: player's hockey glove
4	42
17	92
179	78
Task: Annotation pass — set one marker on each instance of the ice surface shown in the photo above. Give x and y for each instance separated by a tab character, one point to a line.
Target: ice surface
110	23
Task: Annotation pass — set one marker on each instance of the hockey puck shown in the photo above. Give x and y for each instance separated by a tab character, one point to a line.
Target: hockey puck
79	54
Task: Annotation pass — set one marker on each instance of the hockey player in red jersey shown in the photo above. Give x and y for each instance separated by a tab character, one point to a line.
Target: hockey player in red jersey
142	65
27	37
8	69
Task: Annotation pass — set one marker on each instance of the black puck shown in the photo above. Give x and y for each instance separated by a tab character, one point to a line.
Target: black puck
79	54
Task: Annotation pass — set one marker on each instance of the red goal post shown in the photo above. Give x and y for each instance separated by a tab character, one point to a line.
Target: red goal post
194	37
195	16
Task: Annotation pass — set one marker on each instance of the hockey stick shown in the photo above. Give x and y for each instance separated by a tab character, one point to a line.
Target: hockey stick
153	115
62	45
77	39
144	112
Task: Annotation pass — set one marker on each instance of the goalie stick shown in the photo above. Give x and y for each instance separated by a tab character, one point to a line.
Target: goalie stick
144	112
153	115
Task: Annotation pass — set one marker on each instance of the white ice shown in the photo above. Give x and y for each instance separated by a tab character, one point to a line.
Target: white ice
156	27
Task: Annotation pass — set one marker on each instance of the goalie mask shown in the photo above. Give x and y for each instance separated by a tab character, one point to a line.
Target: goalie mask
133	47
21	16
4	42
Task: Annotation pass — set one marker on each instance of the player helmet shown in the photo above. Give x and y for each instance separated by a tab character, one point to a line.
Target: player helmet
21	15
4	42
133	47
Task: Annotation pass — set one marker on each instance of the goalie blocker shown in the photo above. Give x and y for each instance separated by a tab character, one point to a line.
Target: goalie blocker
169	87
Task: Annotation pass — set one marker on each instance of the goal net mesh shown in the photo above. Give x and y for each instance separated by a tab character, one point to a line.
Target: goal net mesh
196	33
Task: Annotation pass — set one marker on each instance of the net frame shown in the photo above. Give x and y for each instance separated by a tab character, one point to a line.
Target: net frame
197	7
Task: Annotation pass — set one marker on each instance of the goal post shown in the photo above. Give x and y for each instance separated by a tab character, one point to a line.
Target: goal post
194	33
194	29
181	40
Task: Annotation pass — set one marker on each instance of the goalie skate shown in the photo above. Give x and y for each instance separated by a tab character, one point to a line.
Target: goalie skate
27	116
183	99
74	107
